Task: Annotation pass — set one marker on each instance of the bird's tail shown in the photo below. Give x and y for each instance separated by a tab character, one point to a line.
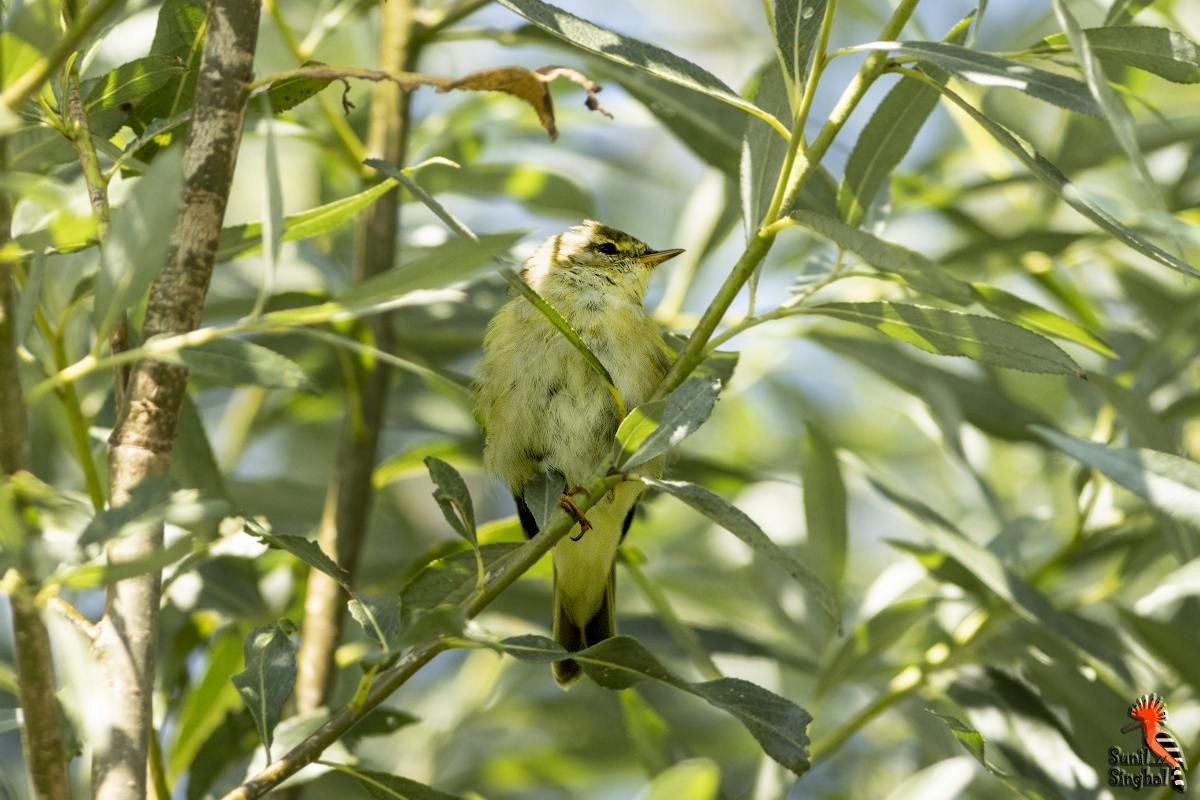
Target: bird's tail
1178	782
573	637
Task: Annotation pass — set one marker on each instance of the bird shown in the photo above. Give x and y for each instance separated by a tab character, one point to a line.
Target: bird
544	409
1149	711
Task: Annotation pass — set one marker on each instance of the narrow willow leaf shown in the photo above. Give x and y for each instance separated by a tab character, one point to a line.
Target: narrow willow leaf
950	333
288	93
626	50
1052	177
1036	318
137	243
267	680
534	188
888	135
824	507
382	786
975	744
306	550
653	428
541	495
237	362
379	618
693	778
1120	121
146	506
1123	11
736	522
1166	53
990	70
178	22
430	202
986	570
778	725
1168	483
453	498
272	219
131	82
763	152
869	642
1174	644
797	23
430	268
239	240
916	269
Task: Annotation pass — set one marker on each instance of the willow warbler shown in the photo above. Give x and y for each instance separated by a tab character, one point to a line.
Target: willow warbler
545	409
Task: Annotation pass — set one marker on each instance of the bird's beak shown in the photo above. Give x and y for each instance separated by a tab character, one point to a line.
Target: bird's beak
1131	727
656	257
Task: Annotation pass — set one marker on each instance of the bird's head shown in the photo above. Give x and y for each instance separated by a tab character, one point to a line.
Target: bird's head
595	256
1148	710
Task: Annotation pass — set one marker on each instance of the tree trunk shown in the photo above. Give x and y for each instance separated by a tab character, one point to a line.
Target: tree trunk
140	445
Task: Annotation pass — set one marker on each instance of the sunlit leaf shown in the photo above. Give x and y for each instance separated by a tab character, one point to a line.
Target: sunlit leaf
1166	53
206	703
1167	482
975	744
950	333
796	25
453	498
535	188
824	507
694	778
763	152
655	427
237	362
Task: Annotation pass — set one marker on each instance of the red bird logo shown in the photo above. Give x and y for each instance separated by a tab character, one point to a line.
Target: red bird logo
1149	711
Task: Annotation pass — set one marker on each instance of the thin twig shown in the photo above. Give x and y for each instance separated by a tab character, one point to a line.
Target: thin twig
71	614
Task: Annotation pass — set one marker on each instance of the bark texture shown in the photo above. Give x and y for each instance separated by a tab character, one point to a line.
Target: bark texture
348	499
140	445
40	734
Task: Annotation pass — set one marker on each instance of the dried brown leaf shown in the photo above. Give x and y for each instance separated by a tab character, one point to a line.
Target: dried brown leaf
531	86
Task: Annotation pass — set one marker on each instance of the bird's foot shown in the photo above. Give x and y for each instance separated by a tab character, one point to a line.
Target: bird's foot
567	504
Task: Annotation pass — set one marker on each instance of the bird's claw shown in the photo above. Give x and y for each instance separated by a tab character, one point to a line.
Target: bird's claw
567	504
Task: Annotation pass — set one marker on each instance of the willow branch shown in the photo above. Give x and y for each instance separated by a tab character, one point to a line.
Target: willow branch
140	445
397	675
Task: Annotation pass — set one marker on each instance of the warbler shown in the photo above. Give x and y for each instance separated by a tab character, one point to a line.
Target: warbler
545	409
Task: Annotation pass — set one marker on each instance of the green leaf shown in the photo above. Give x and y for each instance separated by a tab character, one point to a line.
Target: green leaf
131	82
736	522
535	188
237	362
136	247
763	152
887	137
1175	644
146	507
1123	11
950	333
288	93
626	50
945	780
1036	318
871	641
272	219
1052	177
1168	483
824	507
797	23
693	778
1166	53
1120	121
450	580
383	786
440	211
178	23
453	498
986	568
306	550
379	618
206	702
975	744
267	680
990	70
240	240
779	726
655	427
541	494
430	268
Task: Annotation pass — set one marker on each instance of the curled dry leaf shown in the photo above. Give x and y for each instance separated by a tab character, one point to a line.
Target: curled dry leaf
530	85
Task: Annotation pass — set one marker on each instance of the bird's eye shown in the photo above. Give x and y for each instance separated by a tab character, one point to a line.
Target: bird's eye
608	248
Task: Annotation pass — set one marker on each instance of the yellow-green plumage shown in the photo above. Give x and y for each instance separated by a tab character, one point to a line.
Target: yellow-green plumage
545	409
